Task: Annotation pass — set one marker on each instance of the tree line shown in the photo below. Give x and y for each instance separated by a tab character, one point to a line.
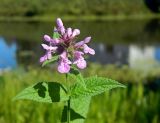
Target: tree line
71	7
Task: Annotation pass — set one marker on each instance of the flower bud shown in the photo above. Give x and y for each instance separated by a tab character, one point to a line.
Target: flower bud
87	39
75	32
69	32
47	38
59	22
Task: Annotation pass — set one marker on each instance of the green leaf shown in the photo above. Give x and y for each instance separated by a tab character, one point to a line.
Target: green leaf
76	75
94	86
78	111
53	59
47	92
56	35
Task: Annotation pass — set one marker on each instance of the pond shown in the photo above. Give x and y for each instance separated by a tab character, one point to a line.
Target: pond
135	43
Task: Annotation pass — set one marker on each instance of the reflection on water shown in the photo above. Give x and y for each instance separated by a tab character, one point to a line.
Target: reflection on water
7	54
157	53
135	43
141	57
144	57
110	54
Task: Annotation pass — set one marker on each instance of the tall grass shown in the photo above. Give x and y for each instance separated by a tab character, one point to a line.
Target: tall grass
136	104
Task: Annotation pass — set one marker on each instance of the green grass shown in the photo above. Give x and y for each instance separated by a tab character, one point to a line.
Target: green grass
135	104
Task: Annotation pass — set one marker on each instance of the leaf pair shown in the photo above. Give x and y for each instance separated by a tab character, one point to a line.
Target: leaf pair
50	92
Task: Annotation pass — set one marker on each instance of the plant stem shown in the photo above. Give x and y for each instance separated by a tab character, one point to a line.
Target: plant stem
68	102
67	81
68	111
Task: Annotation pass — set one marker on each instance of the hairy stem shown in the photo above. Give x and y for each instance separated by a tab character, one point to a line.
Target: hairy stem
68	111
68	102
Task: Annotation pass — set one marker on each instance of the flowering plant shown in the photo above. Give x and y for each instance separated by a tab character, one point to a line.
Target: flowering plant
63	44
69	54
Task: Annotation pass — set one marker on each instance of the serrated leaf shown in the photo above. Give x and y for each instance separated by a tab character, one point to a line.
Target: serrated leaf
76	75
47	92
94	86
53	59
79	110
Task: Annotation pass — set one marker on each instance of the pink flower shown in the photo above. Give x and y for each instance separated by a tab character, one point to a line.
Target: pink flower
60	26
50	40
69	32
84	46
75	33
81	43
66	47
49	51
79	60
88	49
70	35
59	22
47	38
81	63
64	63
43	58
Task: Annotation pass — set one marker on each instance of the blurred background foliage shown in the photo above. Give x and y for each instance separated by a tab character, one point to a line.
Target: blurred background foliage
107	32
135	104
28	8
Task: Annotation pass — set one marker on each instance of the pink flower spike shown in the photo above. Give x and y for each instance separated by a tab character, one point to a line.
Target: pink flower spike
75	32
47	38
88	50
65	46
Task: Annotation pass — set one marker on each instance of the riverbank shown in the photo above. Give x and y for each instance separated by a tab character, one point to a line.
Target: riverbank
86	18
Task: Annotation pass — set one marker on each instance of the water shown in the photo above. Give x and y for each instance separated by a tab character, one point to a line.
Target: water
133	43
7	55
